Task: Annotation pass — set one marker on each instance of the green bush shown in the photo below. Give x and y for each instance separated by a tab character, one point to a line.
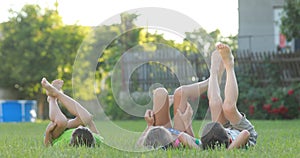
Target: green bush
271	101
267	99
283	103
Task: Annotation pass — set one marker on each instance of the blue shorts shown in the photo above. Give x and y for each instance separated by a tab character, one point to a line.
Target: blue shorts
174	131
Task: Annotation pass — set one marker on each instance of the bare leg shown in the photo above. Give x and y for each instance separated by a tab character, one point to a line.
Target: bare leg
181	96
83	117
161	108
57	84
214	96
55	113
184	92
231	87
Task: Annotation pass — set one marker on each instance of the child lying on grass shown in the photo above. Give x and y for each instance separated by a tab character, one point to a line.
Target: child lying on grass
229	127
63	131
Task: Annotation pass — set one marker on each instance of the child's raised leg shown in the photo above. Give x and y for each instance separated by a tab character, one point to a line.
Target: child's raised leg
181	96
231	87
161	108
55	114
214	96
82	116
182	93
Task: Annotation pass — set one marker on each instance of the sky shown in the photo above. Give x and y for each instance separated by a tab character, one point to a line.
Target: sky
209	14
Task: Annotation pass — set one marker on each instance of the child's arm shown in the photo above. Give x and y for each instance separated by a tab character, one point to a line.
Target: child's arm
188	140
241	140
186	118
48	133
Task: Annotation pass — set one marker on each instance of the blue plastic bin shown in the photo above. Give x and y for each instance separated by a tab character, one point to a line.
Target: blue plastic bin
18	110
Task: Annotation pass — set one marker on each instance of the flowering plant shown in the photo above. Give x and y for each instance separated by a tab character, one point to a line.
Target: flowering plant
284	103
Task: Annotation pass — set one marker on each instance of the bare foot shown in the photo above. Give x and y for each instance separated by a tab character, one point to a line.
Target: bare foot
217	65
226	54
58	84
50	89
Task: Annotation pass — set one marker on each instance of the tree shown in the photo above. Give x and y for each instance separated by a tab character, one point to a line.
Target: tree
35	43
290	21
127	37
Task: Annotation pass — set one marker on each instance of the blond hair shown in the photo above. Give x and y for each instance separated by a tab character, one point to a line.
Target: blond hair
157	137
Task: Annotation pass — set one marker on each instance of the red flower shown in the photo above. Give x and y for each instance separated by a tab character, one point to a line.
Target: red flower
274	111
291	92
267	107
203	96
283	110
251	109
274	99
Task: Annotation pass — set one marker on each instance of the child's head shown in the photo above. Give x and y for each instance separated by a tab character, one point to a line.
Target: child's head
158	136
82	136
214	134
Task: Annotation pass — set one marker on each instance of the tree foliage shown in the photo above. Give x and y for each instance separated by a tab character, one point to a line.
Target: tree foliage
290	21
36	44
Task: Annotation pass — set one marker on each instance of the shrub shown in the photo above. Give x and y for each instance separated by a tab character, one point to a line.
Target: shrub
282	103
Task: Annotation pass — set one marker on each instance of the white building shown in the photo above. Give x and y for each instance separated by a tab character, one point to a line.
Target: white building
259	26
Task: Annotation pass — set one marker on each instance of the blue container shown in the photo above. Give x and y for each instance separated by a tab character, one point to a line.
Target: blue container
18	110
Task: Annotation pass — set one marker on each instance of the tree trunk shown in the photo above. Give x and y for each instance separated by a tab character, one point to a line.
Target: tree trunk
41	106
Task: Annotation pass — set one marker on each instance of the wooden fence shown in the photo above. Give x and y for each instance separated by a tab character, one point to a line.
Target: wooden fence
171	69
283	68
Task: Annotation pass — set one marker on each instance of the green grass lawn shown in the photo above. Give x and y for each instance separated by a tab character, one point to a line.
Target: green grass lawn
276	139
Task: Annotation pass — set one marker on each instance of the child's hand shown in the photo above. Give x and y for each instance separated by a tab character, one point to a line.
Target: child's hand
187	140
149	117
186	117
189	111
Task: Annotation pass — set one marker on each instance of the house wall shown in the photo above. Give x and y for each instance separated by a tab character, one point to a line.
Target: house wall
256	24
